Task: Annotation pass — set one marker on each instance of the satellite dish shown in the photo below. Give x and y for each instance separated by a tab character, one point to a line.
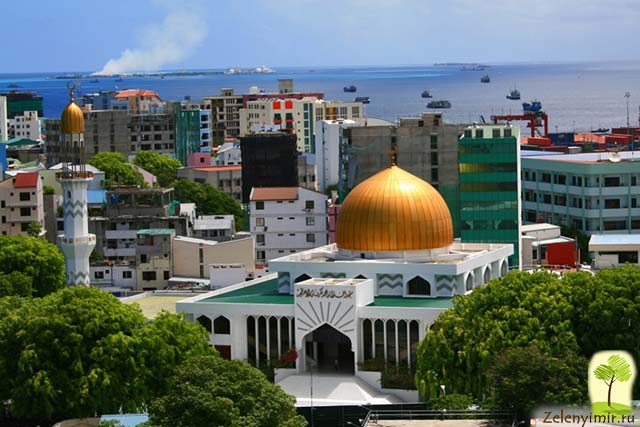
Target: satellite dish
615	157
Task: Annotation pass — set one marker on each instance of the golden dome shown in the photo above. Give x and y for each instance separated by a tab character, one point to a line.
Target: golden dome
72	119
394	211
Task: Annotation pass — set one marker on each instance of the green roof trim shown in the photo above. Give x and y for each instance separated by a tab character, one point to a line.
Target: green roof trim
155	232
262	293
412	302
267	293
20	142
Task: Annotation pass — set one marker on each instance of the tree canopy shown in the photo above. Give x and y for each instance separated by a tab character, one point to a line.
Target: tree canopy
209	391
30	266
116	169
80	352
208	199
164	167
566	319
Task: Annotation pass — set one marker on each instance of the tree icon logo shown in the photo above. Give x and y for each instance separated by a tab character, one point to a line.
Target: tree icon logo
611	375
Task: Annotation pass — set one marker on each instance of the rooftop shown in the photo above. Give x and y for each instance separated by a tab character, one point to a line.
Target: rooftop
614	239
95	197
213	222
17	142
221	168
153	303
136	92
273	193
266	292
595	158
26	180
155	232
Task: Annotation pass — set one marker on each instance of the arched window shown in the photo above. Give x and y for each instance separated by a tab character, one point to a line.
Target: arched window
469	282
205	322
504	269
302	278
419	286
367	327
487	275
222	326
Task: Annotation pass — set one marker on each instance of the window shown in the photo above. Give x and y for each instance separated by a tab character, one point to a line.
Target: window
260	255
127	275
434	159
205	322
612	181
2	204
148	276
418	286
560	200
260	238
434	142
166	275
98	275
560	179
311	238
222	326
311	220
612	203
25	197
309	204
615	225
260	222
259	206
25	211
495	133
434	174
467	133
507	132
633	181
479	133
546	177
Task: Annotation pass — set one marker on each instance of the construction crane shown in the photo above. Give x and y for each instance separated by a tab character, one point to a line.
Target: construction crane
532	113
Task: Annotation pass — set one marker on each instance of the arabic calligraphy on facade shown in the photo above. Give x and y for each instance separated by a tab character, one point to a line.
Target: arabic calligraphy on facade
324	293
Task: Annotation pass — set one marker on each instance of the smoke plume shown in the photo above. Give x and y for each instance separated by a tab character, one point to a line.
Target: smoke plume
164	43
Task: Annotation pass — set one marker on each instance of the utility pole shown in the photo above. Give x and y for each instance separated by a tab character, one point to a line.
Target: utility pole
628	95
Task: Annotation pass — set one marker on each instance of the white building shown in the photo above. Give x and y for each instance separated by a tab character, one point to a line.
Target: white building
228	155
215	227
286	220
4	126
328	141
372	295
26	126
614	250
296	115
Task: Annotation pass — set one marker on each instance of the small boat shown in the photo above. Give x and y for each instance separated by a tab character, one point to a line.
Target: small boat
532	107
426	94
439	104
363	99
351	88
514	94
485	79
13	85
119	79
94	81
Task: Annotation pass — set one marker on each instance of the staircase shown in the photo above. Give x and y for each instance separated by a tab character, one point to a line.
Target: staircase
332	390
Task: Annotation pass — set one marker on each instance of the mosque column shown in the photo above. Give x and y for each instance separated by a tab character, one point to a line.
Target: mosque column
395	322
279	338
257	341
384	338
268	329
373	338
409	344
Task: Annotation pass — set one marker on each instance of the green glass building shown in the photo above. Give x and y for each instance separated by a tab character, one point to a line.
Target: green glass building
187	132
490	201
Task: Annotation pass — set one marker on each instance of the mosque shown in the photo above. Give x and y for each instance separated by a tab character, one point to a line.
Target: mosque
372	295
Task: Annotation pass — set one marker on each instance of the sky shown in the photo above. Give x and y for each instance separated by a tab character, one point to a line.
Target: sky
147	35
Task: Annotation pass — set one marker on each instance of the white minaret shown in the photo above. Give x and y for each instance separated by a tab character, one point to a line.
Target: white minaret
76	242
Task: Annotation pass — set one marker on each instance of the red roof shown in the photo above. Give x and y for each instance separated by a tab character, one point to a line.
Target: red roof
218	168
128	93
273	193
26	180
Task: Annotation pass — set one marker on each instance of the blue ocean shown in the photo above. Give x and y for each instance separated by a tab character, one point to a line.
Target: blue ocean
578	97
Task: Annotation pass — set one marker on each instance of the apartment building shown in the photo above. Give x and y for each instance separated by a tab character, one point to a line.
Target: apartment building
220	228
285	220
597	193
4	124
25	125
227	179
21	203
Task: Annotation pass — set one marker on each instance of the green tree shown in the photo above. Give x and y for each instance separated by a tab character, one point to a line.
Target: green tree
164	167
15	283
208	199
616	369
34	258
116	169
524	377
34	228
48	190
80	352
210	391
451	402
582	241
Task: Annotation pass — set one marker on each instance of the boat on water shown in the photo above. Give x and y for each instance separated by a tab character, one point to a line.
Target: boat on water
13	85
426	94
485	79
532	107
119	79
363	99
94	81
514	94
439	104
351	88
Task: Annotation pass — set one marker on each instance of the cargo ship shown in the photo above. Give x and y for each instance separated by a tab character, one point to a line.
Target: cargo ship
363	99
485	79
514	94
426	94
351	88
439	104
532	107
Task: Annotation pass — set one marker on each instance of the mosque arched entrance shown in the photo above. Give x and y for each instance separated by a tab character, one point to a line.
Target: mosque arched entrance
329	350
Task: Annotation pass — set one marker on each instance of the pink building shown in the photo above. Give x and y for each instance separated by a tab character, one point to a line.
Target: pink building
199	159
333	212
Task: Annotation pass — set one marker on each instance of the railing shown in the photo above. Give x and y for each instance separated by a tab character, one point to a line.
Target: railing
422	414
